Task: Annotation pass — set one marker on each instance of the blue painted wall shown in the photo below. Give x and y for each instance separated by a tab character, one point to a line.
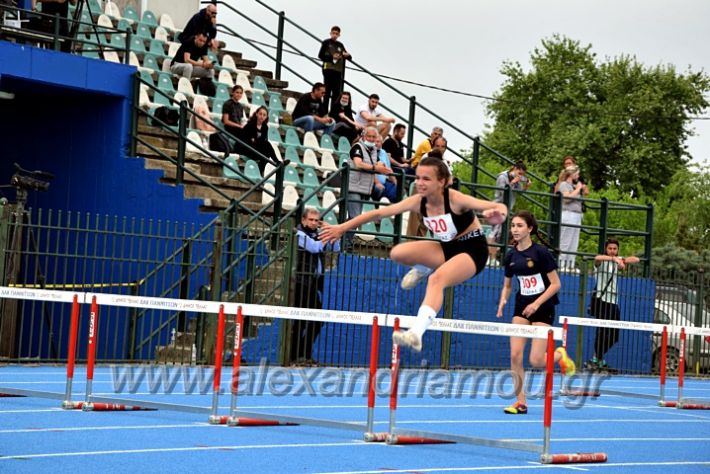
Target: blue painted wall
71	117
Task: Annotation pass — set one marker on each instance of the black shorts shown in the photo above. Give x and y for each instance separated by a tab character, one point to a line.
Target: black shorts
473	244
544	314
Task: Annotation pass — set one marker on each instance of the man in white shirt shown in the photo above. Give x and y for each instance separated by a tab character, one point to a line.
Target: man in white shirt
604	303
371	114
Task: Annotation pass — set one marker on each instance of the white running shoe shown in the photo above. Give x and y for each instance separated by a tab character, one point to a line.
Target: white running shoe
413	277
408	338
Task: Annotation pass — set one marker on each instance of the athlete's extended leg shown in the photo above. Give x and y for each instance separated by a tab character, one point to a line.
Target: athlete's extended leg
452	272
538	355
423	256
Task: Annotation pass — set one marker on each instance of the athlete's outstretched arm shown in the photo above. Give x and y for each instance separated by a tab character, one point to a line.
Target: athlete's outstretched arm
494	212
332	232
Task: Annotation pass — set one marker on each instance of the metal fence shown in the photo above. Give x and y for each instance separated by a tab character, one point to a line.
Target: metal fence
222	261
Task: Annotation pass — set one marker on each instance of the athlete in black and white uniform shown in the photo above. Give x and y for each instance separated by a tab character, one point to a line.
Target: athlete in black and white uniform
535	269
459	253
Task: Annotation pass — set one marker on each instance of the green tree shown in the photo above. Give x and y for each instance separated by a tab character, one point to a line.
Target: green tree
683	211
624	122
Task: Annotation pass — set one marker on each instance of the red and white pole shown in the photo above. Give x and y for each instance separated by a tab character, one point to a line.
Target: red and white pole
218	356
370	434
394	385
549	380
681	368
67	404
91	356
664	357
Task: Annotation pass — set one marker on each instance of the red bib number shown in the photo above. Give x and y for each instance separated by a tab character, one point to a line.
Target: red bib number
531	284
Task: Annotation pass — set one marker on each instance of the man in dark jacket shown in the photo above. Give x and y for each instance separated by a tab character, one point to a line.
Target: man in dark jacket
204	21
308	288
333	54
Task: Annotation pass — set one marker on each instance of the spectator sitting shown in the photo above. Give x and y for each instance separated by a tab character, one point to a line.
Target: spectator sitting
310	112
256	134
385	186
363	164
345	125
191	59
201	110
333	54
204	21
394	147
308	285
371	114
516	179
426	146
233	114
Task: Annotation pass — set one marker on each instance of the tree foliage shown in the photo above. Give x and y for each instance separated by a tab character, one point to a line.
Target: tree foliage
625	123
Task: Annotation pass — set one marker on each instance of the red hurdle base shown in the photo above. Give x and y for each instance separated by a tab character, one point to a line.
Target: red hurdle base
668	404
113	407
693	406
257	422
68	405
573	458
10	395
399	439
580	393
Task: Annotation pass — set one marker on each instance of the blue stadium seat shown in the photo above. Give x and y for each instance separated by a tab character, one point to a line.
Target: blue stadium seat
292	138
292	156
229	173
130	14
291	176
386	227
274	135
257	98
149	19
344	145
251	171
326	143
275	104
143	31
310	178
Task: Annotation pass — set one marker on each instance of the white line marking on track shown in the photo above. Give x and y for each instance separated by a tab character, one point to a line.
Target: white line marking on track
32	411
571	468
187	449
513	468
104	428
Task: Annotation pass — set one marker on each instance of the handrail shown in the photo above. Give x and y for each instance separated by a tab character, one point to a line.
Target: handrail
73	29
362	69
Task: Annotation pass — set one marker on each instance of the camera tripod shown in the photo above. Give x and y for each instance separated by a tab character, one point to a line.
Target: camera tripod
17	218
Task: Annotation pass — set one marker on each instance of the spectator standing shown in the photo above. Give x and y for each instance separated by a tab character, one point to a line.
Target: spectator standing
345	125
371	114
233	113
308	288
333	54
604	303
256	134
204	21
310	112
566	163
572	190
516	178
191	59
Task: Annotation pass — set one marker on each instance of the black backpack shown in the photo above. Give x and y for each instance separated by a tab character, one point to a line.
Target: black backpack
167	115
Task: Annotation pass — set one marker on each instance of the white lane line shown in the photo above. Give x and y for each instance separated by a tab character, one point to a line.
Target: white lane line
514	468
187	449
103	428
32	411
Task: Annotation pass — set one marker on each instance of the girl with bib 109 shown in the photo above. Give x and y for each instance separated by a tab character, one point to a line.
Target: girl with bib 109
459	254
538	284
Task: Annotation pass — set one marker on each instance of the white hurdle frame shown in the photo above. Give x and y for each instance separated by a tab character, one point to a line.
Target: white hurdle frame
664	330
394	435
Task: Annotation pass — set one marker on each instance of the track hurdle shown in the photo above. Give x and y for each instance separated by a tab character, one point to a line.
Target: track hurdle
239	417
400	436
664	330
